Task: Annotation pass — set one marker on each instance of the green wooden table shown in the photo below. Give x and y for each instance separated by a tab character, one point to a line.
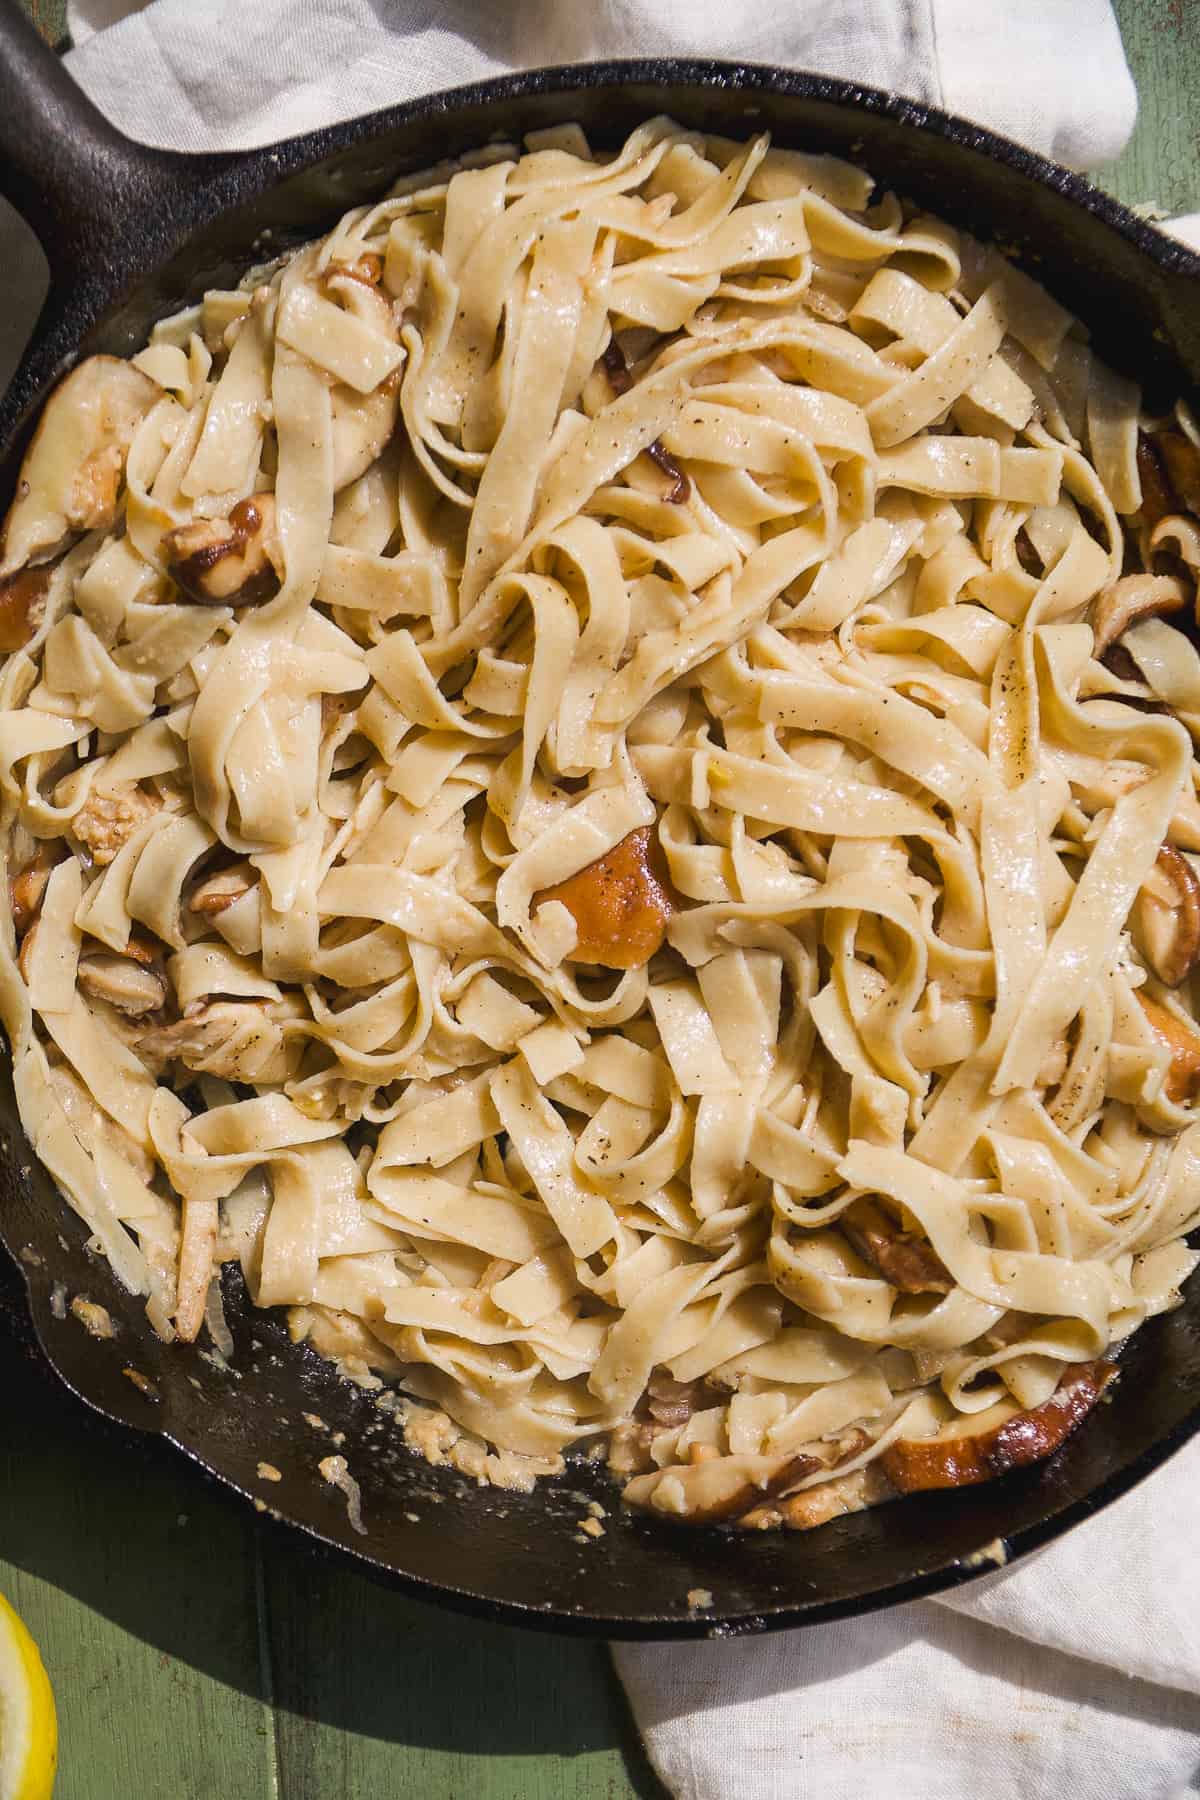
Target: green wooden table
197	1655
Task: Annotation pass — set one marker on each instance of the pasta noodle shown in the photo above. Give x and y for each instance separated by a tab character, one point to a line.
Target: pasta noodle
598	788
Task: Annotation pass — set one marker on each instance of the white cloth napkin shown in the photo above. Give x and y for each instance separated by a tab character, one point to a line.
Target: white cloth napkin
206	72
1075	1676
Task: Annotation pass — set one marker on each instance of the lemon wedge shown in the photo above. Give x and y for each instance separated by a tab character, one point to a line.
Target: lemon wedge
28	1724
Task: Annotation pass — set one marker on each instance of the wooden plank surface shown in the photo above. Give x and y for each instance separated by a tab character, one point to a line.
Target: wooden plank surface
139	1583
1161	164
479	1709
198	1656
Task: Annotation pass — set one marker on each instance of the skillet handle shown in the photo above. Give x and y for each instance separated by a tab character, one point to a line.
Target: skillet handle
61	163
84	188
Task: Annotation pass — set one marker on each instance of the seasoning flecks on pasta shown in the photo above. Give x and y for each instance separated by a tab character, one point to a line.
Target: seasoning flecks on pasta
598	788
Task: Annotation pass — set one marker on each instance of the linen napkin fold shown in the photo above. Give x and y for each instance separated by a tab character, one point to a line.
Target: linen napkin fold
1073	1676
1076	1675
208	72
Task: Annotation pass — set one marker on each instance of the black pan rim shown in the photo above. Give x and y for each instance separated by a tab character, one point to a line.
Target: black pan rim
705	1625
717	72
253	173
990	1558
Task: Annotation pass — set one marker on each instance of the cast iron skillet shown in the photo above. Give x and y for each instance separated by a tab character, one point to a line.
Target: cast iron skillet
131	233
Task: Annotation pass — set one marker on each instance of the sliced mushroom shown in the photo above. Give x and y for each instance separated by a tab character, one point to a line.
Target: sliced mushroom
1175	542
236	561
27	888
672	1403
717	1490
1183	1041
72	473
144	949
106	821
1157	498
1167	933
828	1499
616	368
25	955
23	605
834	1499
1182	461
221	890
124	984
620	903
1128	601
363	427
1027	555
1002	1437
235	1039
681	485
620	381
903	1258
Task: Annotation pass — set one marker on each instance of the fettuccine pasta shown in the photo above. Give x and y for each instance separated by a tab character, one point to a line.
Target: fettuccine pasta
599	790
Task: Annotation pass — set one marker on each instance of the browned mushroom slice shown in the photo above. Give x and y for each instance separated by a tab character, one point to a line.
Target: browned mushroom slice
1182	461
27	887
1002	1437
25	954
620	903
681	485
221	890
146	951
834	1499
124	983
1157	498
23	605
228	562
616	368
1183	1041
901	1257
1127	601
620	381
1027	555
72	472
717	1490
1167	933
